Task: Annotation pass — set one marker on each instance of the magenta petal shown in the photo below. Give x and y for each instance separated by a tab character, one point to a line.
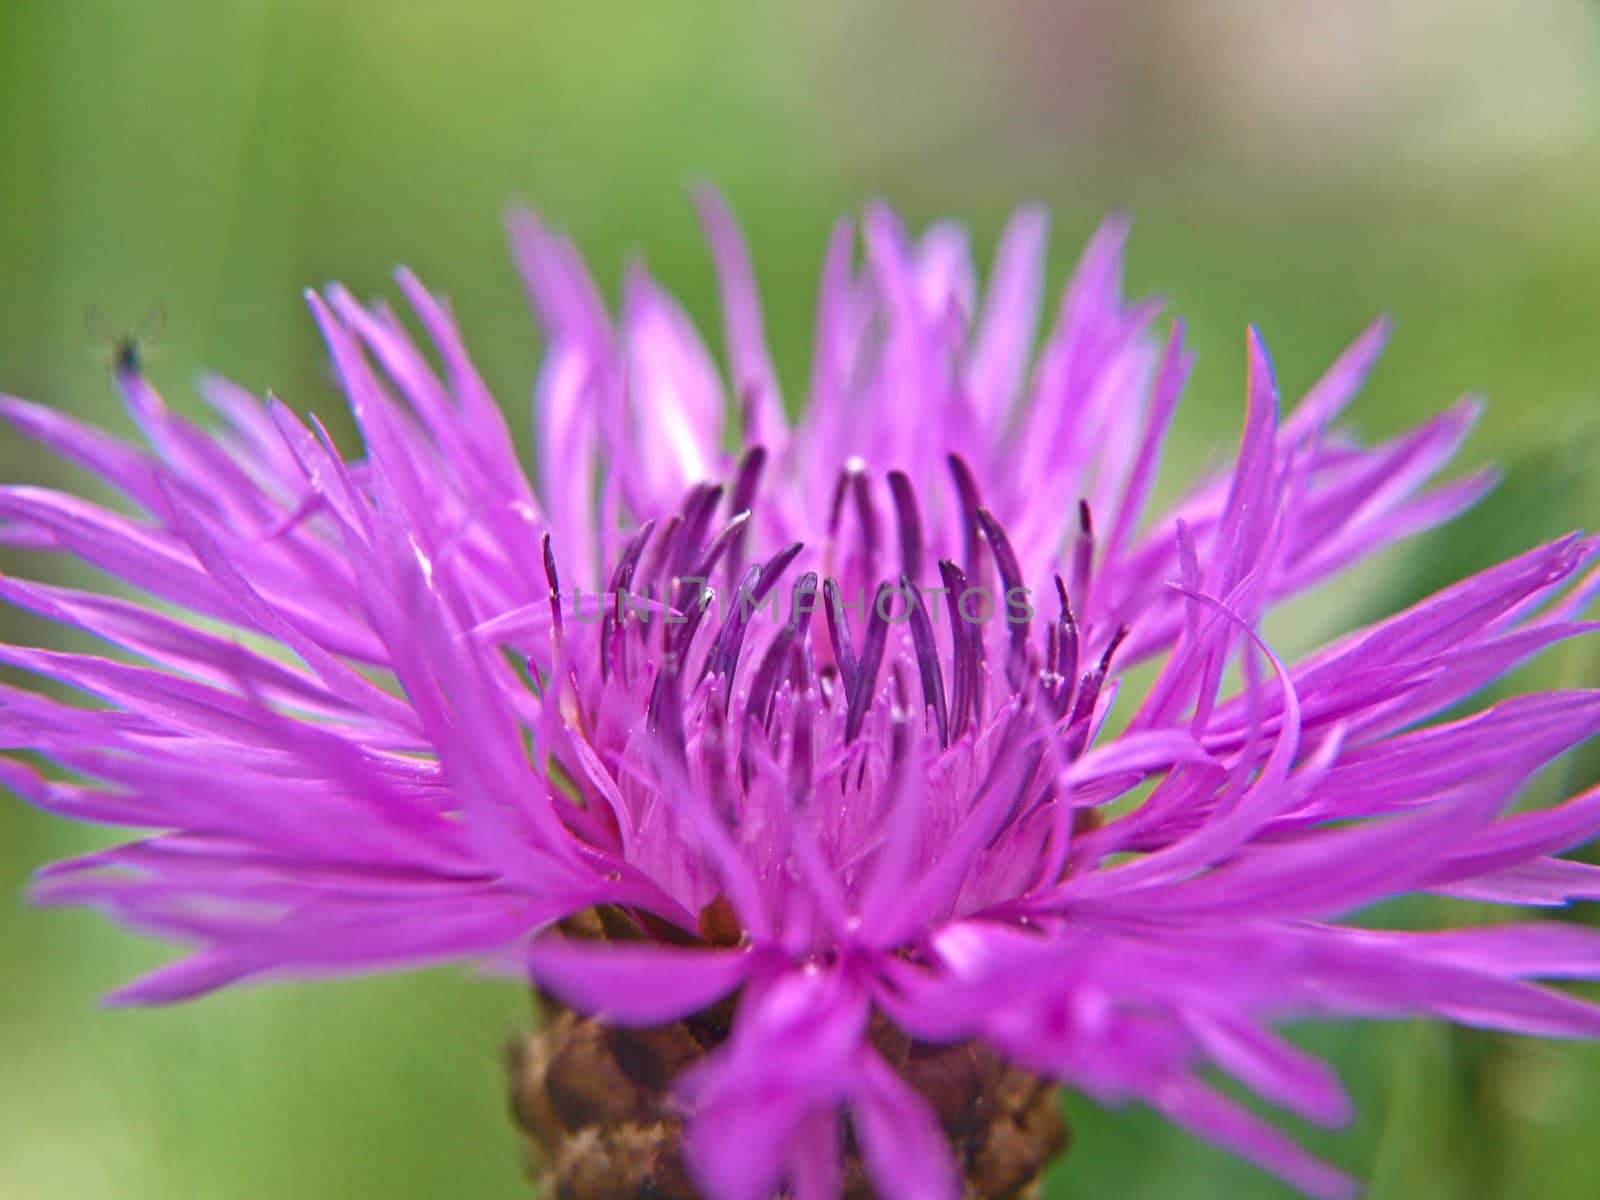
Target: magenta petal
1207	1113
902	1143
604	979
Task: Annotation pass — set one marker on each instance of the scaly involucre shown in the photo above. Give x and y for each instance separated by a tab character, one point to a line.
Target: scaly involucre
828	719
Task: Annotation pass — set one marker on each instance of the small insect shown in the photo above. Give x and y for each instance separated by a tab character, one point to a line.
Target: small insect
127	350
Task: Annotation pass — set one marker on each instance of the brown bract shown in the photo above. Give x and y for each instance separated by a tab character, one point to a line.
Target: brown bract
596	1109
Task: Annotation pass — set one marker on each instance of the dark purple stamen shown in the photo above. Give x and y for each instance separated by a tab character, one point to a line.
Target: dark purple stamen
756	585
764	687
554	581
724	656
1005	559
618	648
633	552
800	753
927	661
966	681
836	505
802	666
772	570
866	674
718	546
621	581
647	599
867	514
665	701
967	493
1089	694
800	614
698	508
658	568
905	511
665	717
839	634
1065	663
744	494
682	633
1083	552
786	647
748	478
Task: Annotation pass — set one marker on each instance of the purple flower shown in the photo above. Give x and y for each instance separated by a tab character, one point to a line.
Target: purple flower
831	723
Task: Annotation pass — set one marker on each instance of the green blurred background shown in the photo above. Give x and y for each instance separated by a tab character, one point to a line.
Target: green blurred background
1301	166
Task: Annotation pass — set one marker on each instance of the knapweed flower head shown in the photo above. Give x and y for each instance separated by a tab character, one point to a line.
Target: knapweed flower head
808	761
